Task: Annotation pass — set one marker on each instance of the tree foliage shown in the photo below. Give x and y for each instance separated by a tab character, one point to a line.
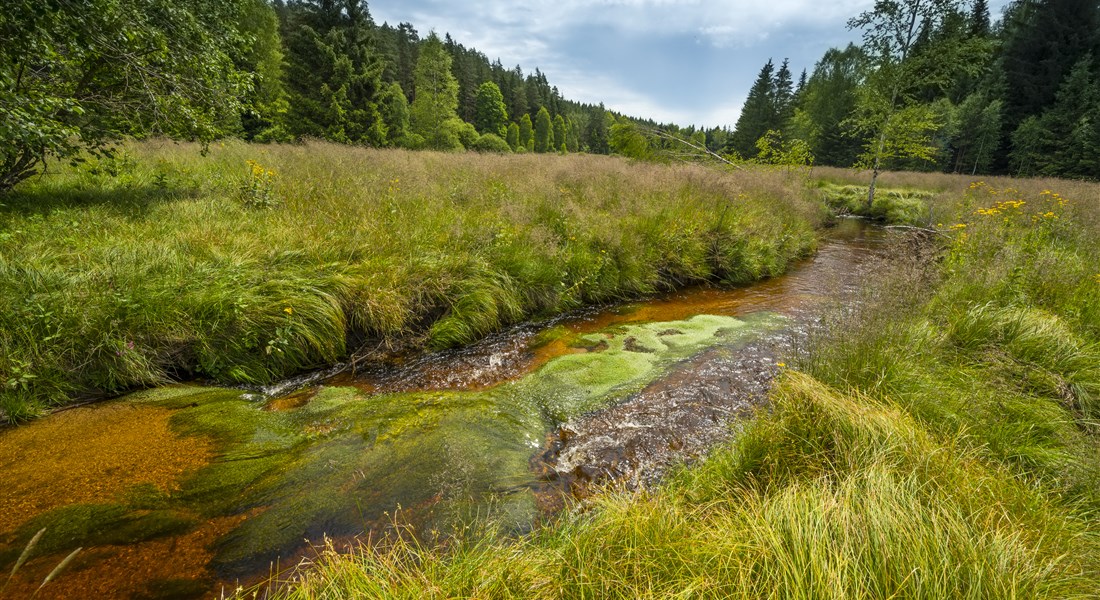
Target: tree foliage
491	114
758	114
436	99
544	131
889	109
78	75
526	133
334	73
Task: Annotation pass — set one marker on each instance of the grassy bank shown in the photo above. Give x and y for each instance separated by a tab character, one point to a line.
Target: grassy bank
938	441
163	264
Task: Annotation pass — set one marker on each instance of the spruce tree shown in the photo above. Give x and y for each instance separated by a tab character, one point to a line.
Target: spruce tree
783	98
265	118
1068	125
1045	40
979	19
597	131
757	115
395	113
978	135
826	101
334	73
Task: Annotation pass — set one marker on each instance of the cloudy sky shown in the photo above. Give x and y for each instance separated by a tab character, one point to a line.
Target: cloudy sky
682	61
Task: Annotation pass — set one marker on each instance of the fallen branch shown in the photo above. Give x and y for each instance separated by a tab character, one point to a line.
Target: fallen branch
699	148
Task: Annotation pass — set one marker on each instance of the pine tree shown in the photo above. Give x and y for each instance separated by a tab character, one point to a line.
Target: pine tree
544	131
436	94
757	115
526	133
491	115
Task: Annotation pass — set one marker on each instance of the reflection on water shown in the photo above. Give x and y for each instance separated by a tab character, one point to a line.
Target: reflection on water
172	489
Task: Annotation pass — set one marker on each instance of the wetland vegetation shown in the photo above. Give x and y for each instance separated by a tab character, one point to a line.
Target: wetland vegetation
938	440
454	325
154	265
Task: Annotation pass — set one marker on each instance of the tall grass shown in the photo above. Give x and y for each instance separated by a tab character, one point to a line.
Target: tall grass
164	264
936	441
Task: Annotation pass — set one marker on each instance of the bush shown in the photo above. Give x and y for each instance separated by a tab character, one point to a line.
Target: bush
491	143
463	131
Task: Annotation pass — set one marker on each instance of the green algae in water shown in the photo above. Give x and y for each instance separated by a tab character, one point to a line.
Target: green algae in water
624	359
77	525
344	461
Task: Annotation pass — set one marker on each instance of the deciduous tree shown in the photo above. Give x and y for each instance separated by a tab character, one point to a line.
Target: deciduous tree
76	76
899	126
491	114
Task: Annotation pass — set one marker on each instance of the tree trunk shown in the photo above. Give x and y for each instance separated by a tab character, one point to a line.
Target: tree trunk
875	170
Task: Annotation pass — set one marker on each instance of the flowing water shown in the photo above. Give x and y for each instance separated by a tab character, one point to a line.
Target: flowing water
182	491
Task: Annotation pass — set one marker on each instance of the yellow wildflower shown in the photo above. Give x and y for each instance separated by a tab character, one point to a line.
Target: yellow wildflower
288	310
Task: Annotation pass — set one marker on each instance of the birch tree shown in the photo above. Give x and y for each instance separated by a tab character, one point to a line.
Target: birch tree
887	109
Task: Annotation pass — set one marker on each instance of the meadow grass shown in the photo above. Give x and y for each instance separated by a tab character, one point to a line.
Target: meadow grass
936	440
251	263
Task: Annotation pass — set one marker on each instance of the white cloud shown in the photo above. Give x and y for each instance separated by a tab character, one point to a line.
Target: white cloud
729	36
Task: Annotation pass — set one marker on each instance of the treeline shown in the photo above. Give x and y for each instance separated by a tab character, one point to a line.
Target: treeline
337	75
937	85
76	75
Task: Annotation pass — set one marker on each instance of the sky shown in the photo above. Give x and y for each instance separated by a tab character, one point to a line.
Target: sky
689	62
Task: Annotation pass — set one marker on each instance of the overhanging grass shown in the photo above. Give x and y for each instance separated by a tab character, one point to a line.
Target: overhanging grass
155	266
939	442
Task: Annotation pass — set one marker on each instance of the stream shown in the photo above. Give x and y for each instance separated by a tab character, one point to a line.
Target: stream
183	491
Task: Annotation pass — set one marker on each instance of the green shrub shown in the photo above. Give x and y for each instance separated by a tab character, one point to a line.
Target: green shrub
491	143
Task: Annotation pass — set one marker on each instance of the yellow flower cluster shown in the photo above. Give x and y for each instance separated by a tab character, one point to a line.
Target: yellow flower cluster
1053	197
258	171
1000	207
